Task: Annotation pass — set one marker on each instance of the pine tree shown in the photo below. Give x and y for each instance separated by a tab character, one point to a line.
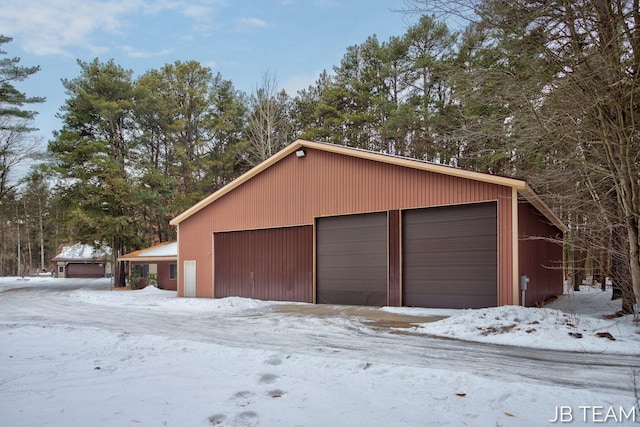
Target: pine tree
92	156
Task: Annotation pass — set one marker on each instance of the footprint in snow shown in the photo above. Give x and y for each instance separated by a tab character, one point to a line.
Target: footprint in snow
276	394
244	398
243	419
268	379
274	360
217	419
246	419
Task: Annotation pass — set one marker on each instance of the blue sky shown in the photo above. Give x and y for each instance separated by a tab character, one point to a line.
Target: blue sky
295	40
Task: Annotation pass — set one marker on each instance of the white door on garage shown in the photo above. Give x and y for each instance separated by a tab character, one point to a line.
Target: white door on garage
189	278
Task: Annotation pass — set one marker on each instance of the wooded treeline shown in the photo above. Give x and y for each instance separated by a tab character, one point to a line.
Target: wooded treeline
545	91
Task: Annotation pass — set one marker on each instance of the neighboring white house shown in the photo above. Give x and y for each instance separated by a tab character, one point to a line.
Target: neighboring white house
83	261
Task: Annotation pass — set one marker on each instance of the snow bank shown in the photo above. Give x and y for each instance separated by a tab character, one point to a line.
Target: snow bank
575	322
153	298
541	328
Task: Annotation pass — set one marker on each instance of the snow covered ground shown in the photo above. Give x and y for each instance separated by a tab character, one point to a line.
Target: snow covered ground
76	353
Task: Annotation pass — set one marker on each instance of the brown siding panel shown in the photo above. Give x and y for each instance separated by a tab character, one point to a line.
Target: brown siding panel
164	282
450	256
540	255
351	254
269	264
294	191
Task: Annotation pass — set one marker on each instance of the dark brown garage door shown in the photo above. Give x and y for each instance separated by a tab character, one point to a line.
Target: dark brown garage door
84	271
450	256
270	264
352	259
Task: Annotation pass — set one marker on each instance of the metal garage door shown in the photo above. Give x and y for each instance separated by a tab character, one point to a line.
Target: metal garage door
269	264
450	256
352	259
84	271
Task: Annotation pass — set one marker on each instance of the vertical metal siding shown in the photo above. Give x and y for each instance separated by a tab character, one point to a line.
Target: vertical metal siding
540	249
294	191
269	264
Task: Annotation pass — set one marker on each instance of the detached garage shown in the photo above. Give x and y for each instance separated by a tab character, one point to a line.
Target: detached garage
82	261
327	224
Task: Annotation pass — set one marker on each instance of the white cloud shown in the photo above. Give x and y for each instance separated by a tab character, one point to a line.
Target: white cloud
197	12
52	27
56	27
134	53
253	22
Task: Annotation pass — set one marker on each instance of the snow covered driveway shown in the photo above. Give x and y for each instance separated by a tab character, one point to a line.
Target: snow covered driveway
74	353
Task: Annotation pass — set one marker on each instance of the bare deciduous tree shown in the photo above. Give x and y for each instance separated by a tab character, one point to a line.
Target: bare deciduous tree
16	146
269	128
564	78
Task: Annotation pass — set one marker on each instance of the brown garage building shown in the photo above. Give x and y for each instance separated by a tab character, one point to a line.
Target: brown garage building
329	224
82	261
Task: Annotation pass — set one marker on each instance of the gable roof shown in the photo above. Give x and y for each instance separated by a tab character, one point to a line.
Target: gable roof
83	252
167	251
519	185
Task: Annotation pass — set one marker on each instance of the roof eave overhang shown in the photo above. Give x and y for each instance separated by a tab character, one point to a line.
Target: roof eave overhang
149	259
544	209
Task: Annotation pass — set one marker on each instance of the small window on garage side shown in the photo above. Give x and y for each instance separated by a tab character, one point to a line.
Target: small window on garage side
61	269
141	270
173	271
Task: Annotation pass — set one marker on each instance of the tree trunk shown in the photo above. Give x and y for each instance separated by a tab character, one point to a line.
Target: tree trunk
577	265
29	260
634	258
604	268
620	270
19	267
42	264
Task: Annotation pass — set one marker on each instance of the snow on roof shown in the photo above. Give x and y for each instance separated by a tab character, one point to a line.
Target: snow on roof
169	249
83	251
163	250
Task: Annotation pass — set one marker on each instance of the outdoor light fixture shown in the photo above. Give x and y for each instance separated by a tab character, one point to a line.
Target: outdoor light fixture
300	153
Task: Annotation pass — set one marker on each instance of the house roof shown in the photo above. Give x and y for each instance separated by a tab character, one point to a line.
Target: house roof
167	251
521	186
83	252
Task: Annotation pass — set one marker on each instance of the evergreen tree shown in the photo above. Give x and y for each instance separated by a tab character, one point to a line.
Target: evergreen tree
389	97
15	120
190	129
12	101
228	112
313	114
92	156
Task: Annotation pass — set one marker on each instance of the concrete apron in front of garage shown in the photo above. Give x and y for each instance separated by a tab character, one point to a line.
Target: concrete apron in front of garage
372	316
